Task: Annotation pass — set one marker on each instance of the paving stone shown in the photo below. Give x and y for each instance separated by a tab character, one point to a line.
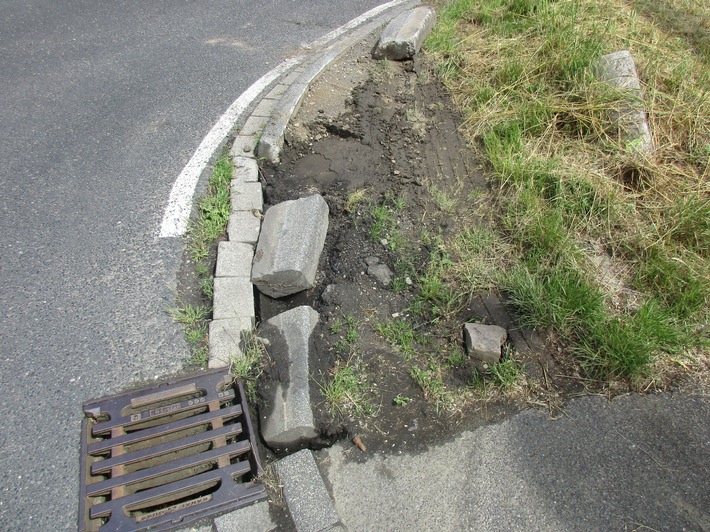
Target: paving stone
287	421
254	518
244	226
246	170
234	259
403	37
307	498
224	340
484	342
290	244
247	196
619	70
265	108
233	298
253	126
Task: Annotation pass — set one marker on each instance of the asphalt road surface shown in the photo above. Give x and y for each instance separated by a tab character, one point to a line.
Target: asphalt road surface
101	105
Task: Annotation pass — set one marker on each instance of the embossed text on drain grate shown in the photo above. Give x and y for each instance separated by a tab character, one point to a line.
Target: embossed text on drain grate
165	455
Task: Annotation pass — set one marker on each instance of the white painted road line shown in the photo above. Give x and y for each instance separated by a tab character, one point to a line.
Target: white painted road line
177	212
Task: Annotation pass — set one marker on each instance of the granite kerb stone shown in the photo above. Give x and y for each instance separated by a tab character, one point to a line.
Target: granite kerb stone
404	35
290	244
287	417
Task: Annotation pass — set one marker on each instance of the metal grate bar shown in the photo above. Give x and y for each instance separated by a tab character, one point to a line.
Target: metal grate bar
144	455
105	486
226	414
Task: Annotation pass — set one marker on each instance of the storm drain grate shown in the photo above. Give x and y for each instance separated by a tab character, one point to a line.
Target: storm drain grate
168	454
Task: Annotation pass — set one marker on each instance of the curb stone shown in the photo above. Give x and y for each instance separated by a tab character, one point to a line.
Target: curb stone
308	500
307	497
404	36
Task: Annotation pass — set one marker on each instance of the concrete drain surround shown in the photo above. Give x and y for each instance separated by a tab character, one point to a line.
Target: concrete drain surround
165	455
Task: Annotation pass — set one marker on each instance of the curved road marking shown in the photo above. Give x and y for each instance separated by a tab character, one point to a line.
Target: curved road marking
177	212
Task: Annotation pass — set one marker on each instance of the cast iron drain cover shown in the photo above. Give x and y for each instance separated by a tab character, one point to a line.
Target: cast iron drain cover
167	454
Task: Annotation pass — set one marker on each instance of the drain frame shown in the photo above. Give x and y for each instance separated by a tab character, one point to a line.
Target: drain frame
167	454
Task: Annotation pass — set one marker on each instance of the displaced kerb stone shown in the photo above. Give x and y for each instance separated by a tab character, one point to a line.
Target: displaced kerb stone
404	35
225	340
233	298
288	416
247	196
244	226
307	497
619	71
234	259
484	342
290	244
246	170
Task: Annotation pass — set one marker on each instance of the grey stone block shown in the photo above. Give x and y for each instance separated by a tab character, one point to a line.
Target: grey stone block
403	37
234	259
619	70
247	196
290	244
264	108
272	141
307	498
246	170
253	126
244	145
244	226
484	342
233	298
288	417
254	518
224	340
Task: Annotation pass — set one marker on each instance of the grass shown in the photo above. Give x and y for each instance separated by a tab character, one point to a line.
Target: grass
249	365
209	225
346	391
524	73
194	319
383	222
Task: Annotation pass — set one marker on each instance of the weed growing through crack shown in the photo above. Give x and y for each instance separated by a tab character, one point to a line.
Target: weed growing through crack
194	320
249	364
203	232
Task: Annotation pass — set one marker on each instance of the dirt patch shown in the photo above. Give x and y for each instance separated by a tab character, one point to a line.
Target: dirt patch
393	167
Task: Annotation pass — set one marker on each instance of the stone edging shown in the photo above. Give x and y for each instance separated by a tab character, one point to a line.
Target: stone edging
262	135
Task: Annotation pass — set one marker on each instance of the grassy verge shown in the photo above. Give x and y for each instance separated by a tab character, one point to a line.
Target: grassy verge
608	250
203	233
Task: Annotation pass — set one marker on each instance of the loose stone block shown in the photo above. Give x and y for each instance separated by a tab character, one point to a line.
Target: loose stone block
288	417
244	226
233	298
246	170
307	497
291	241
234	259
484	342
247	196
619	70
225	340
403	37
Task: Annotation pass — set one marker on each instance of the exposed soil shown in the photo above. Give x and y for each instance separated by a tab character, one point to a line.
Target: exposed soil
390	129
